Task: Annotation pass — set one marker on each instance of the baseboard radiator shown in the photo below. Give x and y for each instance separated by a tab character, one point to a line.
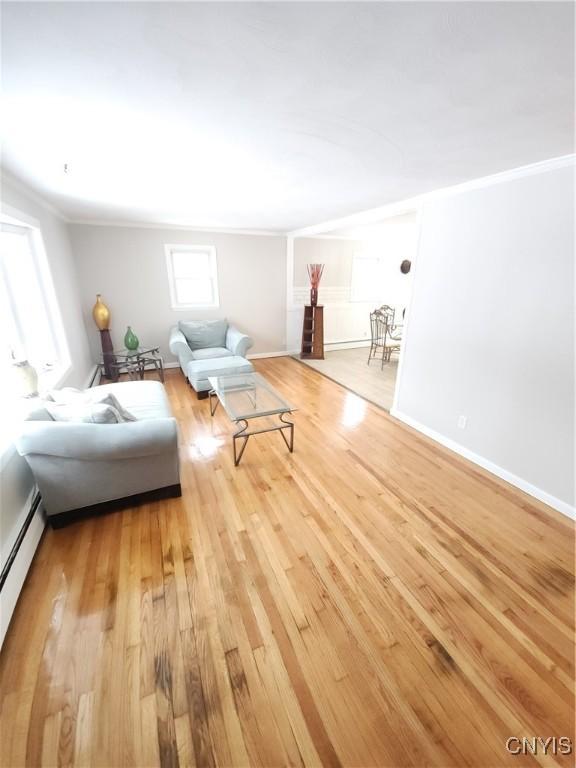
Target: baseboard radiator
18	562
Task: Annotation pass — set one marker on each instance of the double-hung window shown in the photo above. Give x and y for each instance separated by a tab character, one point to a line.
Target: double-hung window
30	324
192	276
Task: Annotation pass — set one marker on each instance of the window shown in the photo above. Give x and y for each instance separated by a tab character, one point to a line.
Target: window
367	278
192	276
31	328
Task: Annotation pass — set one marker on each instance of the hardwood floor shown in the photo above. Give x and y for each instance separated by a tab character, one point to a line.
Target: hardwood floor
370	600
375	382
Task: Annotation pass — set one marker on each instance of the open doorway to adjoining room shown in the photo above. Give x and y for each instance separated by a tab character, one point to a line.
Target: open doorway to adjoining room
364	297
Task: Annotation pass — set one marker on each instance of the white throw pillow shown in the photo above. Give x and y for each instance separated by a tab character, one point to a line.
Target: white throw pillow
34	409
71	396
87	413
110	399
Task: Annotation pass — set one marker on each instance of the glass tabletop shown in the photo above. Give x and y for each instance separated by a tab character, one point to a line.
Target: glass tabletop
247	395
128	353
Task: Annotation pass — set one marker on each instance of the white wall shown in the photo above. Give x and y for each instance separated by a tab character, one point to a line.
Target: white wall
491	333
127	265
394	239
16	482
335	253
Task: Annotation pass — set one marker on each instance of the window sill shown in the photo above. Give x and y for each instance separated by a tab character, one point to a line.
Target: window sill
194	307
53	379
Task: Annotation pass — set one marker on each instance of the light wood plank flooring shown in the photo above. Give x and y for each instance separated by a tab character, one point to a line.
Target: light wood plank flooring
375	382
370	600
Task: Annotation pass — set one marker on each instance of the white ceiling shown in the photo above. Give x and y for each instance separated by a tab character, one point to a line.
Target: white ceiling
375	230
277	115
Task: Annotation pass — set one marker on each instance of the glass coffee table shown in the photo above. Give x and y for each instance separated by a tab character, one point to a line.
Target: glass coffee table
249	396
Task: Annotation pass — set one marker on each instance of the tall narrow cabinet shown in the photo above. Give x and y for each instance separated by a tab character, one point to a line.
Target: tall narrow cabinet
313	333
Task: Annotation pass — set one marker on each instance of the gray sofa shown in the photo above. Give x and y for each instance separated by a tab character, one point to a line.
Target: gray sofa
79	468
209	348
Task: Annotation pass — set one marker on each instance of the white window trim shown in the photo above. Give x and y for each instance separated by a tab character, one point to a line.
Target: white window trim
211	250
16	218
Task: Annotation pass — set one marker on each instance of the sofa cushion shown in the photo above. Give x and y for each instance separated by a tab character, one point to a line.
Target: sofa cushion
35	410
198	371
71	396
211	352
82	412
204	333
110	399
144	399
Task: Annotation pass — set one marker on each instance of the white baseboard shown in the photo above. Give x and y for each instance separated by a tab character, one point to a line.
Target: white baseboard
333	346
174	364
503	474
255	356
19	568
260	355
93	378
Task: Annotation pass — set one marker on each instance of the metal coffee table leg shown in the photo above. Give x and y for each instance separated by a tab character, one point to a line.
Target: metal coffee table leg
290	424
213	397
240	435
244	435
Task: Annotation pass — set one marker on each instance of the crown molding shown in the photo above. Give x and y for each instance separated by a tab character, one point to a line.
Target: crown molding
24	189
183	227
353	220
415	203
36	197
330	236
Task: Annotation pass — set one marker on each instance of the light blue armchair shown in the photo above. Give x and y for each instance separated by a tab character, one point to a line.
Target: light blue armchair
209	348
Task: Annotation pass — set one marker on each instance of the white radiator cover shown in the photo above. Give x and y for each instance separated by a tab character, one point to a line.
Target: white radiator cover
21	563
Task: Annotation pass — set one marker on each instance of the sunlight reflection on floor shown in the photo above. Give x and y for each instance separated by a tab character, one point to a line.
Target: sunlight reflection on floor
206	447
354	410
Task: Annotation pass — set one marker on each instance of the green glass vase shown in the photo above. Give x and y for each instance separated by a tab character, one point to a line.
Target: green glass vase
131	340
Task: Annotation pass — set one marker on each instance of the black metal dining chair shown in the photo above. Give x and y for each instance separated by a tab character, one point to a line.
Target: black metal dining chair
385	334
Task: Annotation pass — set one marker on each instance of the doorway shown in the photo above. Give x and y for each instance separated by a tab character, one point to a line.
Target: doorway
365	292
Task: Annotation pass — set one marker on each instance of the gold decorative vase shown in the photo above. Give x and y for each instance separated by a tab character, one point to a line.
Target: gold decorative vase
101	314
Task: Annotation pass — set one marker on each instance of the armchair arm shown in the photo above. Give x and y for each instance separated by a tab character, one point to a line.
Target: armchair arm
238	343
179	346
98	442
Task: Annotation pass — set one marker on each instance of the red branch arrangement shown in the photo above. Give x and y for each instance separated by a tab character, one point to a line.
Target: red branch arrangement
314	273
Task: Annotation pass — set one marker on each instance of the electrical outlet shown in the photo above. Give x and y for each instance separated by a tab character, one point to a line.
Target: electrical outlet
462	420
